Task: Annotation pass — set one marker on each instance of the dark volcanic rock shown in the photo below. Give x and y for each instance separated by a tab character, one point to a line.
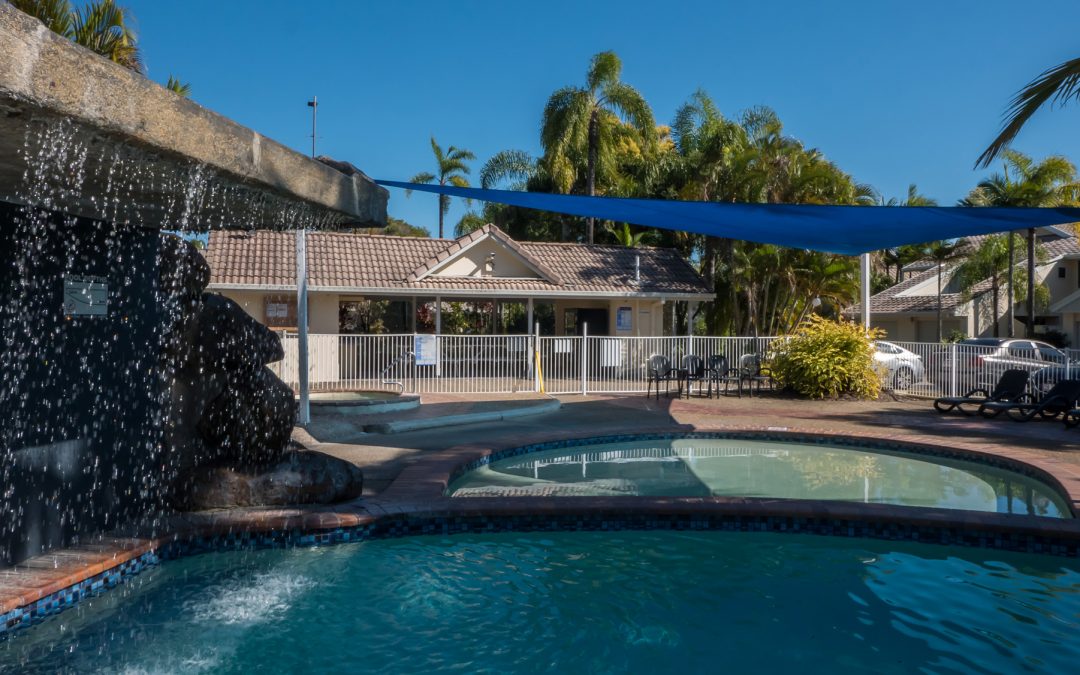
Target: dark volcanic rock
301	477
250	422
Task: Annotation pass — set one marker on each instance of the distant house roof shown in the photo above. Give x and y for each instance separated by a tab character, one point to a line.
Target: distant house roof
918	293
375	264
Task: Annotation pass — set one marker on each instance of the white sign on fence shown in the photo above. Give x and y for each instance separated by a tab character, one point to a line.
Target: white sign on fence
425	350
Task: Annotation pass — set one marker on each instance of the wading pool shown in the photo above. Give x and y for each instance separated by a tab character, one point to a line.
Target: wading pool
736	467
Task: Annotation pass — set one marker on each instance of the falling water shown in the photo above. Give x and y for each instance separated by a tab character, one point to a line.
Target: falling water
84	399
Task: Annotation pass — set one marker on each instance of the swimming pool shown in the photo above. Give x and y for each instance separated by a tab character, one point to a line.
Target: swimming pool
577	602
701	466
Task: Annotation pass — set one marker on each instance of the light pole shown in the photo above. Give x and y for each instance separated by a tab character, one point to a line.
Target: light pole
304	413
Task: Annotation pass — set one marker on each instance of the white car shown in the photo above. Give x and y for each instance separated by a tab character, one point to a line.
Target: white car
903	368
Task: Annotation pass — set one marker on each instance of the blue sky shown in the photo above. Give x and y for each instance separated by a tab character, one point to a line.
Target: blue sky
893	92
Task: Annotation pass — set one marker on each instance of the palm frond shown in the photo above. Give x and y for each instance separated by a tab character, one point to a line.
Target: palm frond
604	68
57	15
1059	84
176	86
516	165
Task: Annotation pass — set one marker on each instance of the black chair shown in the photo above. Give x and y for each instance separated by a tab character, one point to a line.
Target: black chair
750	371
693	370
718	371
1072	418
1060	400
1010	387
660	370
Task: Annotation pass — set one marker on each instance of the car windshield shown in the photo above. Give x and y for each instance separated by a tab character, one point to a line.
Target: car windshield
1049	353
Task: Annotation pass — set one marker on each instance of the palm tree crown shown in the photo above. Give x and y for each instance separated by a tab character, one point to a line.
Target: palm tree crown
587	121
451	169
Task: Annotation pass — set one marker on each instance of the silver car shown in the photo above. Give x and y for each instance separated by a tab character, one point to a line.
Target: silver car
903	368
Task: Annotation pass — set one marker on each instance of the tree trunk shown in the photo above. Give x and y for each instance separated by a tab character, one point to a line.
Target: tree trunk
997	327
594	141
440	216
1030	332
1011	291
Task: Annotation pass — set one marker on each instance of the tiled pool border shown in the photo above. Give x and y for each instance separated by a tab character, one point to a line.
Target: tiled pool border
435	514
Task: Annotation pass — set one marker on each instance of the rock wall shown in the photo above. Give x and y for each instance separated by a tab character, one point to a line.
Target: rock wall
224	407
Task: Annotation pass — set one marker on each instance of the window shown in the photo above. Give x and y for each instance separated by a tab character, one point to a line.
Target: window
1023	350
1048	353
1061	273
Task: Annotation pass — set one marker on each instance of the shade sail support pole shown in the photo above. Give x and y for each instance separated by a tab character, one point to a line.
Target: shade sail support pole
864	289
304	412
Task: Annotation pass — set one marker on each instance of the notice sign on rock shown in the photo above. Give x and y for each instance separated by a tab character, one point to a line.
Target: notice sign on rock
86	295
425	350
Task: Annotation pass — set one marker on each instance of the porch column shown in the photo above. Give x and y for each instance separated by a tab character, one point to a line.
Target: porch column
529	313
691	307
438	315
412	303
864	288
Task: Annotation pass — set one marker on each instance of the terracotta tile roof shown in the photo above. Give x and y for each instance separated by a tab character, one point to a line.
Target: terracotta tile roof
358	261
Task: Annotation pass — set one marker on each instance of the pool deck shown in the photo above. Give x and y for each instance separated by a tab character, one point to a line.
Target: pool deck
406	475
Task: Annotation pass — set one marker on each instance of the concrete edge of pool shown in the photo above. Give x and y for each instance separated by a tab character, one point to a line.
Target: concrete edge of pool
415	504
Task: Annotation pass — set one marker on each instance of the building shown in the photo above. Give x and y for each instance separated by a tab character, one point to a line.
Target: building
420	282
908	310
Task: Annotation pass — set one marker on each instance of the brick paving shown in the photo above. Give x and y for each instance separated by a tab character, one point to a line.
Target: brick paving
409	472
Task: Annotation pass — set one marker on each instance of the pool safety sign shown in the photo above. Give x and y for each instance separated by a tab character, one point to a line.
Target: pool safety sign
425	350
86	295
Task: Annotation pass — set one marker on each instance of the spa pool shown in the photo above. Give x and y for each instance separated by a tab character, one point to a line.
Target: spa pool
603	602
696	467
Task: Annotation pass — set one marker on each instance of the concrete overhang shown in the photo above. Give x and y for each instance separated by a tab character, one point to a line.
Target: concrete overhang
115	146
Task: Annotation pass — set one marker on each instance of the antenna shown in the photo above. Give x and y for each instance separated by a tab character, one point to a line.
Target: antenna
314	105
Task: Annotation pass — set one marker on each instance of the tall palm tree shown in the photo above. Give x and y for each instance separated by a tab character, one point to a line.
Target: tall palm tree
451	169
102	27
1024	182
989	260
587	119
942	252
1059	84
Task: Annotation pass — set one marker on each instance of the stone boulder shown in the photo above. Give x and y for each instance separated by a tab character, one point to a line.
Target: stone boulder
301	477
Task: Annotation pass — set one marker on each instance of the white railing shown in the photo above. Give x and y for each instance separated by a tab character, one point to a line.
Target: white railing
601	364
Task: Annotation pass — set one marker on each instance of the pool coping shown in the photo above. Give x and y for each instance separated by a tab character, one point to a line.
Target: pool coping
415	503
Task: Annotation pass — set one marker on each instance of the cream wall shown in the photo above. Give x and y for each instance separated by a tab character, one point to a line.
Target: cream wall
647	315
473	263
322	308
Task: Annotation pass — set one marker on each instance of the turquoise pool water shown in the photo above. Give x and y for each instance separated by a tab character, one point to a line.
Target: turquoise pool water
648	602
746	468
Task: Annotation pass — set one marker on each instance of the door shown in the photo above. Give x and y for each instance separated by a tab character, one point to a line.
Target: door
597	319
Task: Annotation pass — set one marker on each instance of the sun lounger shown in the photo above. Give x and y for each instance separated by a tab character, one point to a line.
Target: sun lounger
1058	401
1010	387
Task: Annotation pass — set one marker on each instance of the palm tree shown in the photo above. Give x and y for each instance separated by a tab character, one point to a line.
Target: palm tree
624	236
102	27
1059	84
177	87
516	166
587	120
942	252
1051	182
451	169
989	260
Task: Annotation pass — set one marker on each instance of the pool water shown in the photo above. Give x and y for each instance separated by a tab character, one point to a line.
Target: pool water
651	602
746	468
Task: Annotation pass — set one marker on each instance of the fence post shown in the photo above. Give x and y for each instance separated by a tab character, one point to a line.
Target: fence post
536	358
584	357
952	369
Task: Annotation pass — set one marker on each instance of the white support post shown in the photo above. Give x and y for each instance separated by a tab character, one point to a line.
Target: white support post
953	389
536	355
304	413
412	323
529	311
864	288
438	332
584	358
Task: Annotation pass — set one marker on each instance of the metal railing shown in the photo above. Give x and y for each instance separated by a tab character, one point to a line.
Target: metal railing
601	364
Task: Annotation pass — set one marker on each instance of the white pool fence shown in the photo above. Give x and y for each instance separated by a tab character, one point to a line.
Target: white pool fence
463	364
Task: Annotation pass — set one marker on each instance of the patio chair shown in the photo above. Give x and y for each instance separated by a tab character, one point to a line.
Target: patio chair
1010	387
660	370
751	372
1058	401
693	370
718	371
1072	418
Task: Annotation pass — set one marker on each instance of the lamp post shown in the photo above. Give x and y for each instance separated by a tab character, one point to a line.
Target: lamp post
304	412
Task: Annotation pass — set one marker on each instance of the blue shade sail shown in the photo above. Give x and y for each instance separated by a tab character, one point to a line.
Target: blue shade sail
848	230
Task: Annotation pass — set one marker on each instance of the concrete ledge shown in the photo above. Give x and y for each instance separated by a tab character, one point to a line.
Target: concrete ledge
147	132
401	426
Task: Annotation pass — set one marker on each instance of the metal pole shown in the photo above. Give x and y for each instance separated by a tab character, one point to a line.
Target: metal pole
584	356
1030	332
864	288
304	413
314	105
1012	296
529	309
536	357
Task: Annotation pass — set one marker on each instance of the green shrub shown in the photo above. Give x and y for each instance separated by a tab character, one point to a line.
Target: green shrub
827	359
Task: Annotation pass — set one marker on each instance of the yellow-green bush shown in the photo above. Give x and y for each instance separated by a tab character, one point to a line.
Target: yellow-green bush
827	359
